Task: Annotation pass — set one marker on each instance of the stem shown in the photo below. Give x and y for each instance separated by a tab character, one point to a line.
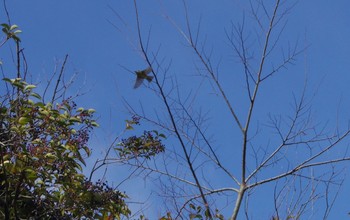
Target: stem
59	79
238	201
250	113
172	119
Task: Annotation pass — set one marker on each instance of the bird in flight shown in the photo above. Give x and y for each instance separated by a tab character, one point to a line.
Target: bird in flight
142	75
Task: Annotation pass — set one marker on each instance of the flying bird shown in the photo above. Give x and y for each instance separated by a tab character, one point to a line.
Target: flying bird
141	75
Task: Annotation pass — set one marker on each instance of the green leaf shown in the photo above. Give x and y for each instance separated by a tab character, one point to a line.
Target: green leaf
23	120
192	206
5	31
3	110
16	38
7	80
162	135
17	32
95	124
39	104
129	127
36	95
29	87
39	182
6	26
87	150
196	216
37	141
80	158
75	119
69	147
91	110
50	156
13	27
31	174
43	111
79	167
206	213
30	102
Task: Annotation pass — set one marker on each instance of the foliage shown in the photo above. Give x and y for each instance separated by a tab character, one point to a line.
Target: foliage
11	31
147	145
196	212
43	147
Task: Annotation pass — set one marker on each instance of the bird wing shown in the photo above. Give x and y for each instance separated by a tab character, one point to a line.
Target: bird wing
148	70
138	82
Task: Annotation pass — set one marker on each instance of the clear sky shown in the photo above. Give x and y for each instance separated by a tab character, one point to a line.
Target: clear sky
102	45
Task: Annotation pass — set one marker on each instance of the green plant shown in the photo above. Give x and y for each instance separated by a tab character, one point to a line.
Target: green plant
43	146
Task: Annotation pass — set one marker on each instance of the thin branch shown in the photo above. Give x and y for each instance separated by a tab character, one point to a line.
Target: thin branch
163	95
296	169
208	68
59	78
249	116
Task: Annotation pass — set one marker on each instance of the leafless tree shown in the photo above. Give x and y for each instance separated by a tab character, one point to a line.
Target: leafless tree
250	148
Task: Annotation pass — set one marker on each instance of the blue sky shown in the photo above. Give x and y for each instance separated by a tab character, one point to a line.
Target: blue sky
100	44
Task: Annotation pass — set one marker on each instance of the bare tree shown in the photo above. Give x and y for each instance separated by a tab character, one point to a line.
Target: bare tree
290	154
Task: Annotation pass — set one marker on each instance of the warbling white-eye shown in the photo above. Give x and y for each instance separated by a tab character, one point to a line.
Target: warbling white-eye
141	75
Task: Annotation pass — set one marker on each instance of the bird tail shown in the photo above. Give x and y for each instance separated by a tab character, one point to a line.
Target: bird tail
149	78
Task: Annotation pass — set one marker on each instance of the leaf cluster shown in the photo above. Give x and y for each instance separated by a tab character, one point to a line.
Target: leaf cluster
11	31
43	148
146	145
196	212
